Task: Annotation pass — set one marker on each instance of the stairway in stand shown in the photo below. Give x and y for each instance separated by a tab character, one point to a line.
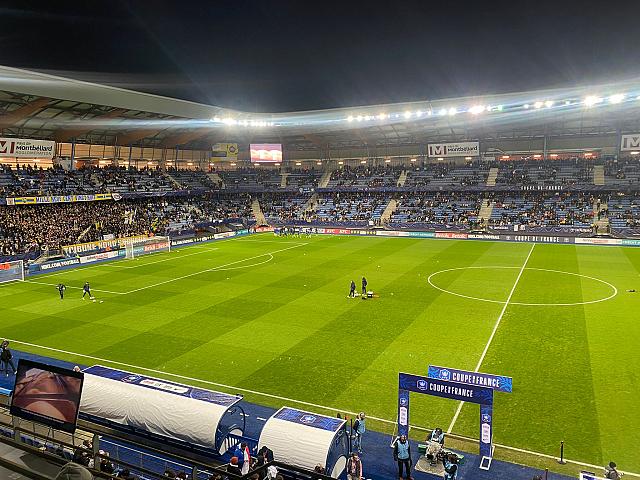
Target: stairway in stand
598	174
257	212
388	211
493	175
602	223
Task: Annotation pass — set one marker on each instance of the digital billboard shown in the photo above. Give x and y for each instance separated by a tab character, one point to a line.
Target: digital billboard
266	152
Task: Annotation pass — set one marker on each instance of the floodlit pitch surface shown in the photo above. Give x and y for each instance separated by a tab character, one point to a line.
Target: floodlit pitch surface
271	315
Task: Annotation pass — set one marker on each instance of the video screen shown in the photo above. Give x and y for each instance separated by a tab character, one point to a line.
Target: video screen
266	152
47	394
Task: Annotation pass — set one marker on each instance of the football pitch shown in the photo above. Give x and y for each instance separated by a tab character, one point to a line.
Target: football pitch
269	317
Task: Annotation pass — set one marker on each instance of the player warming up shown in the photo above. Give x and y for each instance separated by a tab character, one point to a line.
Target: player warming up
352	289
61	288
364	286
86	289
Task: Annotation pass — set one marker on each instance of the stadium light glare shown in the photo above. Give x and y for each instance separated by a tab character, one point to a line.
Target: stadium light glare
382	116
340	162
591	100
359	118
635	153
277	164
567	102
298	164
413	159
499	108
440	159
232	164
553	155
616	98
368	117
407	114
452	111
548	103
418	113
387	160
537	155
526	106
538	105
318	163
429	113
216	119
477	109
443	111
350	118
363	162
468	158
588	154
505	157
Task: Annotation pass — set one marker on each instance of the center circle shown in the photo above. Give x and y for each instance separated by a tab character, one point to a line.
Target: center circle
613	290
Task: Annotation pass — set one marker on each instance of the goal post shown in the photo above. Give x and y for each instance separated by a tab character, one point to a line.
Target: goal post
12	271
147	246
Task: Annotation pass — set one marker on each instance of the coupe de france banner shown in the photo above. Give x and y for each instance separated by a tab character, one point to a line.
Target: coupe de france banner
458	149
26	148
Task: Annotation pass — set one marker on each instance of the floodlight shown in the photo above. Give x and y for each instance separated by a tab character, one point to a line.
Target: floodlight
505	157
382	116
567	102
359	118
341	163
499	108
591	100
537	155
298	164
368	117
418	113
476	109
413	159
548	103
538	104
635	153
526	106
363	162
387	160
468	158
407	114
350	118
453	111
443	111
616	98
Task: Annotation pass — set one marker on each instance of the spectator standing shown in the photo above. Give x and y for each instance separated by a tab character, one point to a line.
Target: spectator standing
354	467
402	455
233	466
451	467
73	471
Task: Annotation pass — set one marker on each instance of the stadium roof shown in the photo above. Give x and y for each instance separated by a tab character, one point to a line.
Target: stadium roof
38	105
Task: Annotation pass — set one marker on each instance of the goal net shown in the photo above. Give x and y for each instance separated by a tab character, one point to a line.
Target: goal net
146	246
11	271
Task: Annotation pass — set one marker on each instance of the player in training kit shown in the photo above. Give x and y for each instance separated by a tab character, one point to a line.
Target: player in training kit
61	288
364	286
86	289
352	289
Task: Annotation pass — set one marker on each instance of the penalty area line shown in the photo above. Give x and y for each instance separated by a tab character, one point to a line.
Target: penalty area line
493	333
286	399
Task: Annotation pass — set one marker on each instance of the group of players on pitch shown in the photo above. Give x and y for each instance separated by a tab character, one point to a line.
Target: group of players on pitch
352	289
86	290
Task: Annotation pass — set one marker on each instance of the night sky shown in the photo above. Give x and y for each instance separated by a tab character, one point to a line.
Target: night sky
301	55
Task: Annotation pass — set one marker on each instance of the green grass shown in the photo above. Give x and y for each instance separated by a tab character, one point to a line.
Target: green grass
281	324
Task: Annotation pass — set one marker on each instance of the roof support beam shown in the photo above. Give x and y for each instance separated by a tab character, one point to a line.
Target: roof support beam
184	137
68	134
136	135
11	118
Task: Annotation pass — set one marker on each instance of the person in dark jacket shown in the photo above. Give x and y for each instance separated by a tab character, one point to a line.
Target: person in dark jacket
402	455
73	471
451	467
6	358
265	455
233	466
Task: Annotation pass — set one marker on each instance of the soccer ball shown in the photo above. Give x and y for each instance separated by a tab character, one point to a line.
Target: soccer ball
101	301
93	300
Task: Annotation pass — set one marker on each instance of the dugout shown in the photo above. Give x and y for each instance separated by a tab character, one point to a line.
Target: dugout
190	418
306	439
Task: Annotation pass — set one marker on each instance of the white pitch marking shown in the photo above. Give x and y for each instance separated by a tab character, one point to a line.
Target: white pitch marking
261	419
493	332
158	261
285	399
78	288
212	269
588	302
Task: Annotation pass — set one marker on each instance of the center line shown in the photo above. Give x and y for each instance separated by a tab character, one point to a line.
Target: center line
493	333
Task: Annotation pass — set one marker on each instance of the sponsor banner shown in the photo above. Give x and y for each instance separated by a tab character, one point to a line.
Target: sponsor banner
458	235
58	199
537	238
630	142
101	256
314	420
495	382
599	241
59	263
263	229
440	388
400	233
26	148
202	395
221	151
633	242
483	236
88	246
458	149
